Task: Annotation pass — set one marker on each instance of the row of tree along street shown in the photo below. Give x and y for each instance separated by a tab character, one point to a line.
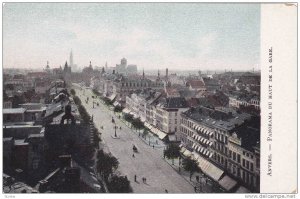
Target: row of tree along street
106	163
172	150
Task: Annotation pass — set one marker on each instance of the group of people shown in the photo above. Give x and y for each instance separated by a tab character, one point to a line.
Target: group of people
144	179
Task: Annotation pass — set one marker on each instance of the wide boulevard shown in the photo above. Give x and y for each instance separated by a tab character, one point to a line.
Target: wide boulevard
147	163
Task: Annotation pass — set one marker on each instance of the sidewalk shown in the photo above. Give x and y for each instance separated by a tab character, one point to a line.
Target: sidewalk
205	184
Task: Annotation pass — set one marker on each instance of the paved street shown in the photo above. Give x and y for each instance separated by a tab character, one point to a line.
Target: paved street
148	162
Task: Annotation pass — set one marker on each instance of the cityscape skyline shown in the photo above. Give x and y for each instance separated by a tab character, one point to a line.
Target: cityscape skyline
171	35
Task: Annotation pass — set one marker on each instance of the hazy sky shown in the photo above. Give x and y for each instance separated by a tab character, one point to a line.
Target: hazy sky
174	35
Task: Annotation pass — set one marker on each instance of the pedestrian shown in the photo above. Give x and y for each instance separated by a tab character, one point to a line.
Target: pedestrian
134	178
145	180
166	190
195	188
153	146
133	155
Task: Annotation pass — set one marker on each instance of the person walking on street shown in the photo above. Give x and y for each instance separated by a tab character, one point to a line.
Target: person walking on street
134	178
166	190
133	155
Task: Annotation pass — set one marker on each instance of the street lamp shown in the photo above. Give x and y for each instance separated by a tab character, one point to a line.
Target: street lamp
115	130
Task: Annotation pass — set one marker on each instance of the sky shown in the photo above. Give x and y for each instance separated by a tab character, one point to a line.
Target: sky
151	35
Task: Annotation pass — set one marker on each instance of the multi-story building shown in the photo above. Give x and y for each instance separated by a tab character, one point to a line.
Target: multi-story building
226	139
237	101
124	86
167	114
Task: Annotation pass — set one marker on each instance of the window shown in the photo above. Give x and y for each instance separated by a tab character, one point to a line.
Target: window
234	156
247	164
243	162
251	166
230	153
239	158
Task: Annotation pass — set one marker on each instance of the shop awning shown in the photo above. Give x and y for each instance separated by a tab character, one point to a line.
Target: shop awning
156	131
182	150
126	110
112	97
116	104
242	189
227	183
208	168
161	134
143	119
187	153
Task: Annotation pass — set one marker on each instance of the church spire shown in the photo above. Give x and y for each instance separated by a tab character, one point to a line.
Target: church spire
143	74
71	58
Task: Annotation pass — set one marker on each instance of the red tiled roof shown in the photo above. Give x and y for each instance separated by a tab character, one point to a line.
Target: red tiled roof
196	83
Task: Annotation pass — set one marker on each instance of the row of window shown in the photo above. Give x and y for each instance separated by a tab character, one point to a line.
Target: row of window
186	131
248	178
220	147
248	165
187	123
235	156
220	159
221	137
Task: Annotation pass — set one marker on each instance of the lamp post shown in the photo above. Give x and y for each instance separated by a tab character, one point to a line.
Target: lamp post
115	130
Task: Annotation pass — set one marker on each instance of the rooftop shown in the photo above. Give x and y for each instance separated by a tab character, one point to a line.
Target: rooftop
13	110
174	102
217	118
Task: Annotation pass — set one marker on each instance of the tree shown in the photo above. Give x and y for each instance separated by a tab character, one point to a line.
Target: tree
119	184
128	117
106	164
96	92
72	91
118	109
137	123
77	101
190	165
172	152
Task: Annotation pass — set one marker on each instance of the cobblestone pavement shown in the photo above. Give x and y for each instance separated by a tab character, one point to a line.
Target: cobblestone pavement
148	162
